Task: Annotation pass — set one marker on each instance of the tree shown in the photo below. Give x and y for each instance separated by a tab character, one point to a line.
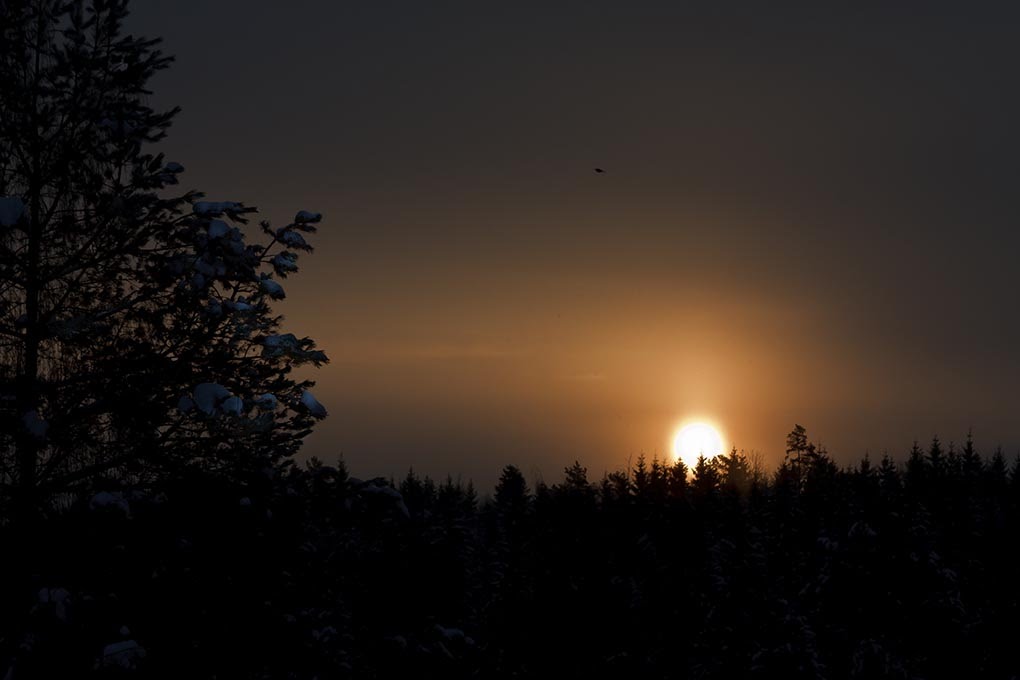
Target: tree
658	476
996	474
575	490
678	479
916	467
798	448
735	470
889	475
512	495
706	478
576	479
641	476
802	456
936	457
136	328
418	494
970	460
615	488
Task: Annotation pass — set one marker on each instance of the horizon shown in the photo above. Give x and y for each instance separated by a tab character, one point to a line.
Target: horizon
444	340
774	239
759	463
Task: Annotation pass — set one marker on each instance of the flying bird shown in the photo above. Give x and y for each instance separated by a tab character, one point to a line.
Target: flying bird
599	171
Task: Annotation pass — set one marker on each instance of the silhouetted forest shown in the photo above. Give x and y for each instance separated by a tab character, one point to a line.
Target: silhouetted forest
153	521
811	571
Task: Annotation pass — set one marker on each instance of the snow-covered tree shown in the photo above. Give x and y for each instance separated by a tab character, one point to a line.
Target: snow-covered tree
137	331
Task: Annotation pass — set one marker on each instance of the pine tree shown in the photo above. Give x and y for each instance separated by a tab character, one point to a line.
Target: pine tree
706	478
640	475
970	460
512	497
658	480
137	335
799	452
798	448
936	457
736	472
413	491
865	468
576	479
889	475
996	473
575	491
678	479
916	467
1014	475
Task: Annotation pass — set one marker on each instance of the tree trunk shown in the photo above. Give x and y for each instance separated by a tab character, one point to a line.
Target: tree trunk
28	381
28	443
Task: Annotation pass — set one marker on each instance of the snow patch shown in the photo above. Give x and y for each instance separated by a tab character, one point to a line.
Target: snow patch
212	208
12	209
208	396
125	654
59	598
218	229
205	268
238	306
861	530
452	634
233	406
306	217
379	488
279	344
285	263
309	401
35	424
114	500
292	239
272	289
266	401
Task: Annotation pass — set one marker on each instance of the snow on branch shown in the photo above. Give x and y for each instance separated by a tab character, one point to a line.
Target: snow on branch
12	210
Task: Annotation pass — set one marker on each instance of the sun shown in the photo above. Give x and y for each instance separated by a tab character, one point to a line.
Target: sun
697	439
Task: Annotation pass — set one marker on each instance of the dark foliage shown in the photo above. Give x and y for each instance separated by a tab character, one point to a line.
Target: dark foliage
152	525
138	336
811	572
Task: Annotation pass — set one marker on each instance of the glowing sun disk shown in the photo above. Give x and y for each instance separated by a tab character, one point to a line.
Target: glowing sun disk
697	439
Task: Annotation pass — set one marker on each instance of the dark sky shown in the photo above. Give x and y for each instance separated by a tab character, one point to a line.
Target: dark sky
809	215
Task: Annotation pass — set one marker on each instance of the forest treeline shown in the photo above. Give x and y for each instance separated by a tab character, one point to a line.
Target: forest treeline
813	570
154	523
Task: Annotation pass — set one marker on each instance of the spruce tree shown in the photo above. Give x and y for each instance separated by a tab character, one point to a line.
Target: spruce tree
640	476
889	475
512	495
970	461
800	453
916	468
936	457
137	332
735	471
706	479
678	479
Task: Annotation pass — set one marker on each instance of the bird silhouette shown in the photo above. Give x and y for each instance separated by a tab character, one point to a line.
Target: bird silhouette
600	171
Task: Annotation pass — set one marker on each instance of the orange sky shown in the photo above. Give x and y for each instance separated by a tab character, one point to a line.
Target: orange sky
808	217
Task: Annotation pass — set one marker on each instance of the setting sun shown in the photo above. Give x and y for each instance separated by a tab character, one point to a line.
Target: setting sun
697	439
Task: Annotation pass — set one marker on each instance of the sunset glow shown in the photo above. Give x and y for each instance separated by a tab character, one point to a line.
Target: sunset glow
697	439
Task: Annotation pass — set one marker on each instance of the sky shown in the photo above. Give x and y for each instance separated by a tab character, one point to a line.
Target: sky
808	215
